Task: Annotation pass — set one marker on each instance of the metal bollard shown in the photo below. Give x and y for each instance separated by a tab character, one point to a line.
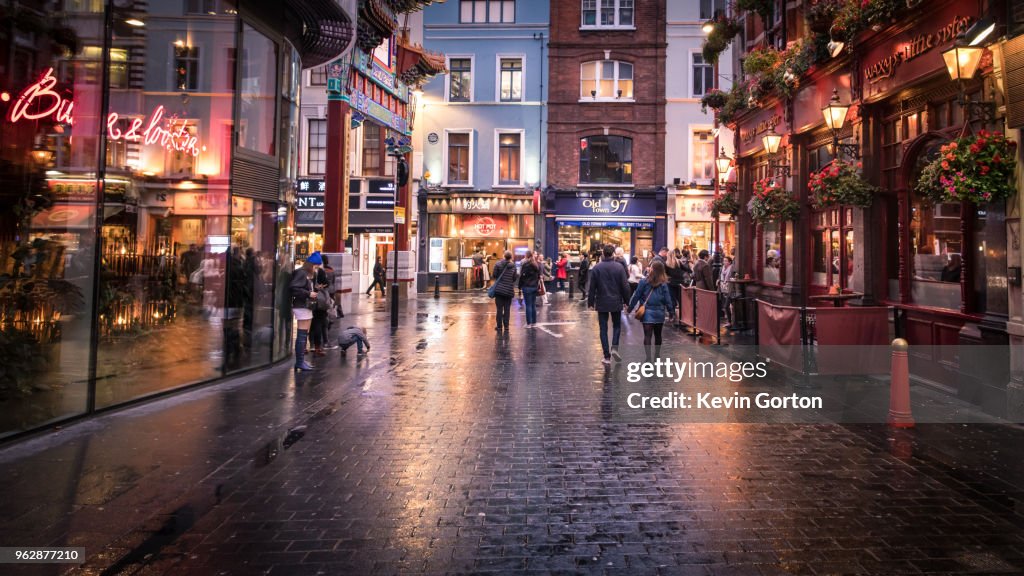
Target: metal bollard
899	389
437	287
571	283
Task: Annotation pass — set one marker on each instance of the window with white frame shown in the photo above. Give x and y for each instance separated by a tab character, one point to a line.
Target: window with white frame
510	80
458	157
487	11
186	67
703	75
316	147
460	80
318	76
607	13
702	155
509	158
606	80
711	8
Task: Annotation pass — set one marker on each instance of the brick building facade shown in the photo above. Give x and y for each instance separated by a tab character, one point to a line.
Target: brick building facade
606	126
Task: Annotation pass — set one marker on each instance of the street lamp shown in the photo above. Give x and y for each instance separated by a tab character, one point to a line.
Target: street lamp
722	163
772	142
835	118
962	62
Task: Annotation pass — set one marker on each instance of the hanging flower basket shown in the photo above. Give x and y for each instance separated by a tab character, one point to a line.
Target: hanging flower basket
770	203
977	169
727	203
840	184
714	99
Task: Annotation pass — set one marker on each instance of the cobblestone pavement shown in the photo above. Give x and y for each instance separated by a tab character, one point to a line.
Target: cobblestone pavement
451	449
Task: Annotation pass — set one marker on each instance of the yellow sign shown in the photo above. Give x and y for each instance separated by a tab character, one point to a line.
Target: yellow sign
399	214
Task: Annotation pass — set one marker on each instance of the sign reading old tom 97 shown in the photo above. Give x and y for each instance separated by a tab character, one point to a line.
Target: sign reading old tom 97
605	206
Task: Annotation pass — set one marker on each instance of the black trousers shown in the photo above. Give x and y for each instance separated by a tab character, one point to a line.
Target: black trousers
378	283
504	309
318	329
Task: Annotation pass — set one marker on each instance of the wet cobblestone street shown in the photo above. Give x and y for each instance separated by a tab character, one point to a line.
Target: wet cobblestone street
453	449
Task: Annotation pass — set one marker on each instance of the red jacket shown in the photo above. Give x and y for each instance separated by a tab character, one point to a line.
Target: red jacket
562	264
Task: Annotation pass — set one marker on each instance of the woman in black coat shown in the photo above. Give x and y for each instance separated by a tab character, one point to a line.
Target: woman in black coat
505	276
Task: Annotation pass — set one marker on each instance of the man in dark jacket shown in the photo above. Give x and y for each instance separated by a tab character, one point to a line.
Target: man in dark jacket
378	278
608	294
505	276
702	274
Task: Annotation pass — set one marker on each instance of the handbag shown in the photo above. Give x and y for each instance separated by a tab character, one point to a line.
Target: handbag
540	287
491	293
321	303
639	312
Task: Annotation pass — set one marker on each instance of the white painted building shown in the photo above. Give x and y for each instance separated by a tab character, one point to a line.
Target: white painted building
690	149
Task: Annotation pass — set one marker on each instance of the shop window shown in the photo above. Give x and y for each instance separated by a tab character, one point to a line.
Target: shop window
936	247
318	76
703	75
118	68
117	150
460	80
832	247
702	151
772	263
511	80
458	158
606	80
711	8
509	158
316	147
606	160
487	11
607	13
256	116
186	67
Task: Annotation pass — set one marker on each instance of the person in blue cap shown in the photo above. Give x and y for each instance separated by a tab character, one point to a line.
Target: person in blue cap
302	292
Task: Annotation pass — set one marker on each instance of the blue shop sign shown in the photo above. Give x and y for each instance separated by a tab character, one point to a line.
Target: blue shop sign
605	206
608	224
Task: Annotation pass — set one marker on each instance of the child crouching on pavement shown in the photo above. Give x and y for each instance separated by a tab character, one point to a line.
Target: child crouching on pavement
353	335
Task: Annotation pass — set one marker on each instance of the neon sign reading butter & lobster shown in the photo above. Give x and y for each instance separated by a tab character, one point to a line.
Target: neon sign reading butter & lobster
40	100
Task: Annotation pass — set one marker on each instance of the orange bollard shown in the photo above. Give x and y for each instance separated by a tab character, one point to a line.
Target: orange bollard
899	388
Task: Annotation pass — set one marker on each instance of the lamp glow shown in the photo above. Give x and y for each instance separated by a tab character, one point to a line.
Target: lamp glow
835	113
771	142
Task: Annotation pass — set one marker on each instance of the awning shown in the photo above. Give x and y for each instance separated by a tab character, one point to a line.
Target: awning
326	32
591	222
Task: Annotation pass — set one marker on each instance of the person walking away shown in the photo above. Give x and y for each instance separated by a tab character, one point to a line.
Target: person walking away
725	289
702	274
584	270
661	255
301	290
609	292
636	274
504	290
354	335
545	276
378	278
318	326
562	271
653	293
529	284
677	276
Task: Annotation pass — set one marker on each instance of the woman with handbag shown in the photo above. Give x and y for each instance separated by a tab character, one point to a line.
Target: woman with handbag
503	290
529	284
301	290
655	306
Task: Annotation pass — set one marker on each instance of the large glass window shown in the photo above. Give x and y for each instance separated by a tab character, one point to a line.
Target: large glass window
508	158
711	8
458	157
606	80
186	66
606	160
607	13
316	146
487	11
460	72
511	80
772	234
257	118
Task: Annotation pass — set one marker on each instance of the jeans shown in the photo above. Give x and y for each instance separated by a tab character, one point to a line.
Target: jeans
360	342
602	322
530	302
504	308
561	285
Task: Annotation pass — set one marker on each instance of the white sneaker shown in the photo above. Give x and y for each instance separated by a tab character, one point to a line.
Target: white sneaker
615	354
606	361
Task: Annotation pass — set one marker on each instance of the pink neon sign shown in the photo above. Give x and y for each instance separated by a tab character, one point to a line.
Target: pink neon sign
40	100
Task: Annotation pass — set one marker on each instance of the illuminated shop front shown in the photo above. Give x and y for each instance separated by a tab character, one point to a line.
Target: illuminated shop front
463	230
694	225
585	221
143	214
